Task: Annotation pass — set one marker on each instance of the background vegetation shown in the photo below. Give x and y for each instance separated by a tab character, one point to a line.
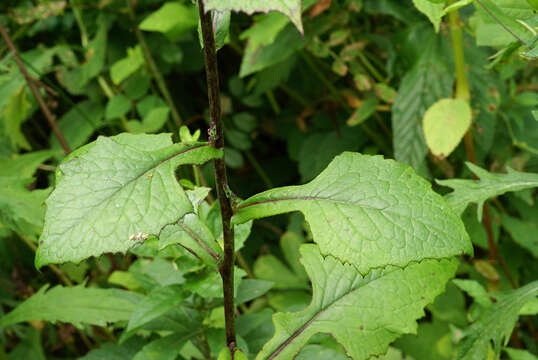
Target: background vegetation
360	78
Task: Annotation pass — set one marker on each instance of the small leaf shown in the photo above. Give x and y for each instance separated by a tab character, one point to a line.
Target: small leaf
445	123
76	305
365	110
155	304
489	185
290	8
127	66
117	107
115	195
433	10
369	212
364	314
173	19
428	81
194	235
165	348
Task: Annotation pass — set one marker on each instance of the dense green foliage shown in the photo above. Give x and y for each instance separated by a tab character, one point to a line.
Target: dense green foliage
387	152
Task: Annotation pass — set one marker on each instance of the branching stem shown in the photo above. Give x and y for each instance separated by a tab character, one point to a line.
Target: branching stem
226	267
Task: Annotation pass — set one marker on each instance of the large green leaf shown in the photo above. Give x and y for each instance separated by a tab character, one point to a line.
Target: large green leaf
495	324
428	81
114	194
489	185
363	313
369	212
290	8
77	305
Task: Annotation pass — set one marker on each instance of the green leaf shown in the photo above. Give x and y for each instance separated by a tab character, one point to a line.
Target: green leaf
428	81
489	185
155	304
173	19
95	55
30	347
518	354
257	58
117	107
369	212
111	351
79	123
24	166
115	195
195	236
495	324
490	33
445	123
152	122
127	66
270	268
165	348
15	113
20	209
523	232
77	305
290	8
364	111
475	290
364	314
434	11
250	289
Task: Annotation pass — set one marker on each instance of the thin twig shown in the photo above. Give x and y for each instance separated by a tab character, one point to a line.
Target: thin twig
33	88
226	267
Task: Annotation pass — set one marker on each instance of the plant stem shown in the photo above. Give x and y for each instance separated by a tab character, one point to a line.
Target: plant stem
33	88
159	79
463	91
226	267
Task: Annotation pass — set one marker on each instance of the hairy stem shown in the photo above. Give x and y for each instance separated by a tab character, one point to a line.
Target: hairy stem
159	79
226	267
35	91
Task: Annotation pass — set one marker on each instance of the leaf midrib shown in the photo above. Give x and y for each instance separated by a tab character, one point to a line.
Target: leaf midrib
123	186
321	311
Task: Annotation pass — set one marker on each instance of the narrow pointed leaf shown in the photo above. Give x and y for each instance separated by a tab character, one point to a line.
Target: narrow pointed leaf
115	194
496	323
76	305
490	184
368	211
364	314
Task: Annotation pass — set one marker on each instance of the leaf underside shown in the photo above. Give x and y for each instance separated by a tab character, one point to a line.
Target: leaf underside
114	194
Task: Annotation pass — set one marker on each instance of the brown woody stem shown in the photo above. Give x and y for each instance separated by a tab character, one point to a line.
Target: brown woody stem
226	267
